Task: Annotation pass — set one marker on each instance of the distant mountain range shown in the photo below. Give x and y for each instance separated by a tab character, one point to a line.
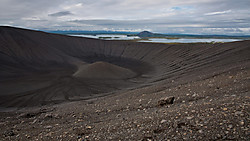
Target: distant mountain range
92	32
147	34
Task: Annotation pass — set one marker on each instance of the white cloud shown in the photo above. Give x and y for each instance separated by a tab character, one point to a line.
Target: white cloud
218	13
73	6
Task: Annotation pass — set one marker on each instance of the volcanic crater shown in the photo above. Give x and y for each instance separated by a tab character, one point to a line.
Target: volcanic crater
39	68
58	87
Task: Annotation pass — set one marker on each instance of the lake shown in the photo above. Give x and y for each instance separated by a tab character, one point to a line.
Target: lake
154	40
187	40
108	36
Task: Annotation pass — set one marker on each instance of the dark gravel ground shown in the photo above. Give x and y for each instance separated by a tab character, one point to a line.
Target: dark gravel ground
215	108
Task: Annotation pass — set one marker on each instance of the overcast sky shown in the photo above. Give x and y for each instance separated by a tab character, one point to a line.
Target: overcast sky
231	17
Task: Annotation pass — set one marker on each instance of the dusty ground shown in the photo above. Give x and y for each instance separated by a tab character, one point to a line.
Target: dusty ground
216	108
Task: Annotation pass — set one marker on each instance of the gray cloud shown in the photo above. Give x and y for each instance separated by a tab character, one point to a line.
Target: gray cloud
59	14
183	16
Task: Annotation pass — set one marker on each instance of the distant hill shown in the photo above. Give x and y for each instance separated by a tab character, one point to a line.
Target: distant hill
145	34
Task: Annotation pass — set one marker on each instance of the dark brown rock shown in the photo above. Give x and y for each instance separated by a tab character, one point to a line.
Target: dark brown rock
166	101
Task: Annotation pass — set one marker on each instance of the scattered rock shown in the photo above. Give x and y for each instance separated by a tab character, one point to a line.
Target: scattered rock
163	121
28	115
242	123
147	138
200	131
179	125
48	116
157	131
238	113
189	118
49	134
9	133
79	137
89	127
27	136
91	102
48	127
118	115
34	121
166	101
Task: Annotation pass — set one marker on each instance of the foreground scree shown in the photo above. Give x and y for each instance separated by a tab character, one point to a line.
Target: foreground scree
56	87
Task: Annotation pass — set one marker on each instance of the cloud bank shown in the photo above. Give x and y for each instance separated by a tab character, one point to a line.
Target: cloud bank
183	16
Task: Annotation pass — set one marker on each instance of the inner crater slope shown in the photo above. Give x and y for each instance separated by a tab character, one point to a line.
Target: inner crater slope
39	68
